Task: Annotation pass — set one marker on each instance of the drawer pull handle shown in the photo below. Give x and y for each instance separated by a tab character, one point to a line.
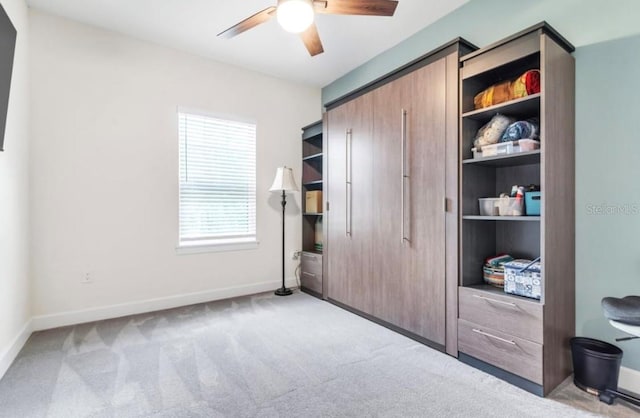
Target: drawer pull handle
486	334
309	274
495	301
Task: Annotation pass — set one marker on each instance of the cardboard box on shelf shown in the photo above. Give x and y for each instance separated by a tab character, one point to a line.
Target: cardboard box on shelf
313	201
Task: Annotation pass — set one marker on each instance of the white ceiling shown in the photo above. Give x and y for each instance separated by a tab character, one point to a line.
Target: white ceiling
192	25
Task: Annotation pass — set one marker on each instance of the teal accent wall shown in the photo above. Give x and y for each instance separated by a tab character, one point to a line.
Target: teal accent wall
482	22
607	144
607	185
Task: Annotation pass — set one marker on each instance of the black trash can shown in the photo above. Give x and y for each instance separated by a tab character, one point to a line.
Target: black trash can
596	364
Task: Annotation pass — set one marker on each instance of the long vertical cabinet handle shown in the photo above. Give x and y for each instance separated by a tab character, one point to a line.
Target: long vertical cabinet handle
405	176
349	137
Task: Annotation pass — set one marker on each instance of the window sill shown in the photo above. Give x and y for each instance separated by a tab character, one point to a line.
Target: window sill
216	246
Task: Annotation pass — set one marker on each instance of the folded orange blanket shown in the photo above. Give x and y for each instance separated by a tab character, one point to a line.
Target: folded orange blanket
528	83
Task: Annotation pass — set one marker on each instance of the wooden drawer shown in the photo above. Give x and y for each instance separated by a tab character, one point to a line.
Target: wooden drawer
312	262
513	354
511	315
311	271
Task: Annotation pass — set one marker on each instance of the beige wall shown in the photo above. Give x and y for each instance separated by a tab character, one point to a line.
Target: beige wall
14	196
104	167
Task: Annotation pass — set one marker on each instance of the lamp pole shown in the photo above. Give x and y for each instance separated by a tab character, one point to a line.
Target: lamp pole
283	182
283	291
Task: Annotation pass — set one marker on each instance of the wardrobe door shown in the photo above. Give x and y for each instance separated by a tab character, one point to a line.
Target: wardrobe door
336	216
387	240
361	203
386	191
350	203
423	281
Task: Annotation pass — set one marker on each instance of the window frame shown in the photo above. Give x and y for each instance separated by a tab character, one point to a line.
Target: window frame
220	244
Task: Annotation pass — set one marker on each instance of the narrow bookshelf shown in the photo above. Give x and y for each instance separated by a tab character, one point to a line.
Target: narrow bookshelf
532	335
311	277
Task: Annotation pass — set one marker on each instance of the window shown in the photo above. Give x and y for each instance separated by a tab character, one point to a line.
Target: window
217	181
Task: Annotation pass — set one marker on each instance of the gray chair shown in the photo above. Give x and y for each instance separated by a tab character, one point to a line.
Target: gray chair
623	314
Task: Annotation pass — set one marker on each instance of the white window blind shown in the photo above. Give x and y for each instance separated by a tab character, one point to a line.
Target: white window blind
217	180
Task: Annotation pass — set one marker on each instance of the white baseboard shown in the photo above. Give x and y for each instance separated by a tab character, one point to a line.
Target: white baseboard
62	319
9	354
629	380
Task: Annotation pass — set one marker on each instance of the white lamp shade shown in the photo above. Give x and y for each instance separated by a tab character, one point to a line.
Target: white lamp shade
295	15
284	181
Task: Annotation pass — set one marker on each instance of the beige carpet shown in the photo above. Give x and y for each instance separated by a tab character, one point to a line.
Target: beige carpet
260	356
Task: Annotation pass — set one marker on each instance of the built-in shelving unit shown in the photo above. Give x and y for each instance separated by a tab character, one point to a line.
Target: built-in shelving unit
491	176
536	353
311	275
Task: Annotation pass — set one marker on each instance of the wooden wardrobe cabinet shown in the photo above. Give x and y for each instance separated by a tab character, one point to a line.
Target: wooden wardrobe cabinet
349	186
405	242
388	171
408	188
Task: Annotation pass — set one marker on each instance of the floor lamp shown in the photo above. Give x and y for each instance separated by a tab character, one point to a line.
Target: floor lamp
284	182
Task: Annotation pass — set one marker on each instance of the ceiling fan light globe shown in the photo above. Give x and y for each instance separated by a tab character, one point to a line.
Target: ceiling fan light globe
295	15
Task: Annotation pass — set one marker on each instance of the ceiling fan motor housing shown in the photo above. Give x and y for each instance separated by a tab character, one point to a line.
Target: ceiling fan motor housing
295	15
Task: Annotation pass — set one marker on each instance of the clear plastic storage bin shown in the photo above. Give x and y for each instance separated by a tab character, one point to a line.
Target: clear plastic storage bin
489	206
511	206
501	206
505	148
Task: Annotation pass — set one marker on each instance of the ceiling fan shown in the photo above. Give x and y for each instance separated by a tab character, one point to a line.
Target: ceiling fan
296	16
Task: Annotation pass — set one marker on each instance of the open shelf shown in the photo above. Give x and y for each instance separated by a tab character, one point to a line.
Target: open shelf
509	160
501	218
312	132
503	67
312	146
524	106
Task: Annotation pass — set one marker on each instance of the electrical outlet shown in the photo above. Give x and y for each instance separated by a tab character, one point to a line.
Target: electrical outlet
87	278
295	255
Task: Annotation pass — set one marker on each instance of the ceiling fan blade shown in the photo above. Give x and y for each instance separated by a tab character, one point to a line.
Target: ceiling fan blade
356	7
251	22
312	41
